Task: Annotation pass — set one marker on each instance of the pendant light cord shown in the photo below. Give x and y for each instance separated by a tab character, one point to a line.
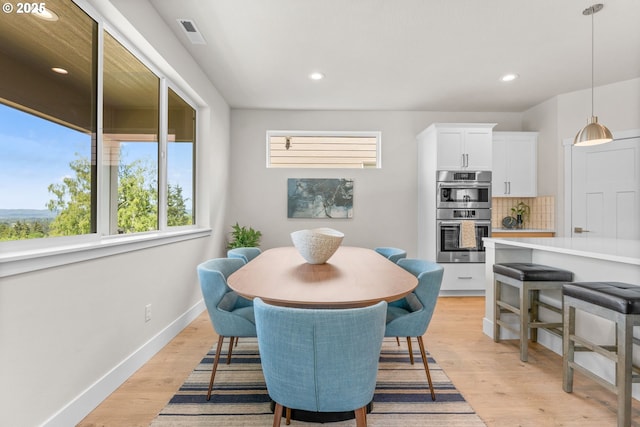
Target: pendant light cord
592	59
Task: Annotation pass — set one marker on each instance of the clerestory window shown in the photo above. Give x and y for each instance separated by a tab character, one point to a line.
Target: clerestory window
298	149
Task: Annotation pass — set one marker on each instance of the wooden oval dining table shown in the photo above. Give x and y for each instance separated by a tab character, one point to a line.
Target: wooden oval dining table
352	277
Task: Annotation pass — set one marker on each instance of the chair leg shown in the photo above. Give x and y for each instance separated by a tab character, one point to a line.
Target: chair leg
277	415
410	349
361	417
230	349
426	367
288	416
398	341
216	358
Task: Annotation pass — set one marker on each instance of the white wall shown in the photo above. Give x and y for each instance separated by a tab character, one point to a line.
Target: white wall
385	200
67	333
543	118
616	105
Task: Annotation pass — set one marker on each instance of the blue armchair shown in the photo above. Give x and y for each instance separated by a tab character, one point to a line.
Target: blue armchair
245	254
392	254
323	360
231	315
410	316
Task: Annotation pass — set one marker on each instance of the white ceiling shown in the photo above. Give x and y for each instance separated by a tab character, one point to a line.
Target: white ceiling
440	55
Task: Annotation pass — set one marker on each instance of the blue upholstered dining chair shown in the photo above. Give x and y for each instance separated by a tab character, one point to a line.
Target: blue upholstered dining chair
392	254
245	254
320	360
231	315
410	316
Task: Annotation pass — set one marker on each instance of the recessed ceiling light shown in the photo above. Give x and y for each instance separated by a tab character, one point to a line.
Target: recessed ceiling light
509	77
59	70
316	76
46	14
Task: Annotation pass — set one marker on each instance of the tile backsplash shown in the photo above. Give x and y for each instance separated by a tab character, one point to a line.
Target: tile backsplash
542	211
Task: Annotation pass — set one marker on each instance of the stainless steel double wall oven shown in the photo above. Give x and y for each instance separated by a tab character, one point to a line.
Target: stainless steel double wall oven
462	196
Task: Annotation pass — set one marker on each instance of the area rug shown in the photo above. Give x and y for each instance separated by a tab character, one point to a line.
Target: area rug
240	396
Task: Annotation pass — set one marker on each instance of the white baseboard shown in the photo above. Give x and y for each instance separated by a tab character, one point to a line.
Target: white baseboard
461	293
487	327
88	400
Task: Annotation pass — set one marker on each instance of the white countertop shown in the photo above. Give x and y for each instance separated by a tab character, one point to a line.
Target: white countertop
625	251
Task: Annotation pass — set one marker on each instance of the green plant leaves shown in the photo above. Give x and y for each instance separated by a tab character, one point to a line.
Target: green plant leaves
244	237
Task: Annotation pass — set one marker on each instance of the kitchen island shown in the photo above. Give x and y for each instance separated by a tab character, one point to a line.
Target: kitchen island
590	260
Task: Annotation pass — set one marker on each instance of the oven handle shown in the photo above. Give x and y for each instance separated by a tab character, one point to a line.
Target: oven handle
478	222
464	184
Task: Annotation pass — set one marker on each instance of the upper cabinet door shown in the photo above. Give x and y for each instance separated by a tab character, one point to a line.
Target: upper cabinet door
464	147
477	147
499	176
450	149
515	164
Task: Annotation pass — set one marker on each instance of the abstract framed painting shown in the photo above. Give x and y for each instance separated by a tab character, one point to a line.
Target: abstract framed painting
320	198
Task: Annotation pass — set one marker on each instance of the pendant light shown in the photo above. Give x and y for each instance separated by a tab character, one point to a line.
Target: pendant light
593	133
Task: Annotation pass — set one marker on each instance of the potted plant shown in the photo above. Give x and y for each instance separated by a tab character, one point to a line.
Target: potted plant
521	212
244	237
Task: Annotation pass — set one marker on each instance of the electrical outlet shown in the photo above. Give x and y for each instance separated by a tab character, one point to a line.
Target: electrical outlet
147	312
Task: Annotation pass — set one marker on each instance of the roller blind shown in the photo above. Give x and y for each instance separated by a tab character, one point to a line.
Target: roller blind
323	150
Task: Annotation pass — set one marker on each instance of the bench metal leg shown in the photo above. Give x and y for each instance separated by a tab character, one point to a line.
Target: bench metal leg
496	310
524	323
623	370
534	297
568	347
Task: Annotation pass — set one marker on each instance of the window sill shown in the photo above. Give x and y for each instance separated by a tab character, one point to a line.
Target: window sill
24	261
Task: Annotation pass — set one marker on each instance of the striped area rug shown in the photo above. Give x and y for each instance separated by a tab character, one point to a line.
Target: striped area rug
240	396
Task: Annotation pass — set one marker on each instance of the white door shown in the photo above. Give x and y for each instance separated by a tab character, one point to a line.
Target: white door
606	190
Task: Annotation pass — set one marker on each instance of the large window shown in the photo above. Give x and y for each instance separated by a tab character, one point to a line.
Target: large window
60	173
47	123
180	162
130	140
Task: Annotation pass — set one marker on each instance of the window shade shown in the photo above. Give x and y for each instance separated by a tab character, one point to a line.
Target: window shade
323	151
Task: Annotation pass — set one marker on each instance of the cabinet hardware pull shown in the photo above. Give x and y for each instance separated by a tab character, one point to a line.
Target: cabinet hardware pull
509	188
580	230
465	277
505	187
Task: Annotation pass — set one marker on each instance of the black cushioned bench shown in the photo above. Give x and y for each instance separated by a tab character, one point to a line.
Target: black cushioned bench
614	301
529	279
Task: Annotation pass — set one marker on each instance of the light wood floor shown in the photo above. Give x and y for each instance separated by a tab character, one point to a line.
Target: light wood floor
503	390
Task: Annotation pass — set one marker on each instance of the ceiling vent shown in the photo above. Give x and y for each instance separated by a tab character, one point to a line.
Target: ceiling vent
191	31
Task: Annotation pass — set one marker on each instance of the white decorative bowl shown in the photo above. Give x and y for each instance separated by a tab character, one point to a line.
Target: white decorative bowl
317	245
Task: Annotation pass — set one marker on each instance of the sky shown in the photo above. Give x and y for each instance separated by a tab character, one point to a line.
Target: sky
35	153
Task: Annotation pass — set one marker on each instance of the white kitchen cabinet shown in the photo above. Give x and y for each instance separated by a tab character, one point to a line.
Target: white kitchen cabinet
463	279
463	146
441	147
514	164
